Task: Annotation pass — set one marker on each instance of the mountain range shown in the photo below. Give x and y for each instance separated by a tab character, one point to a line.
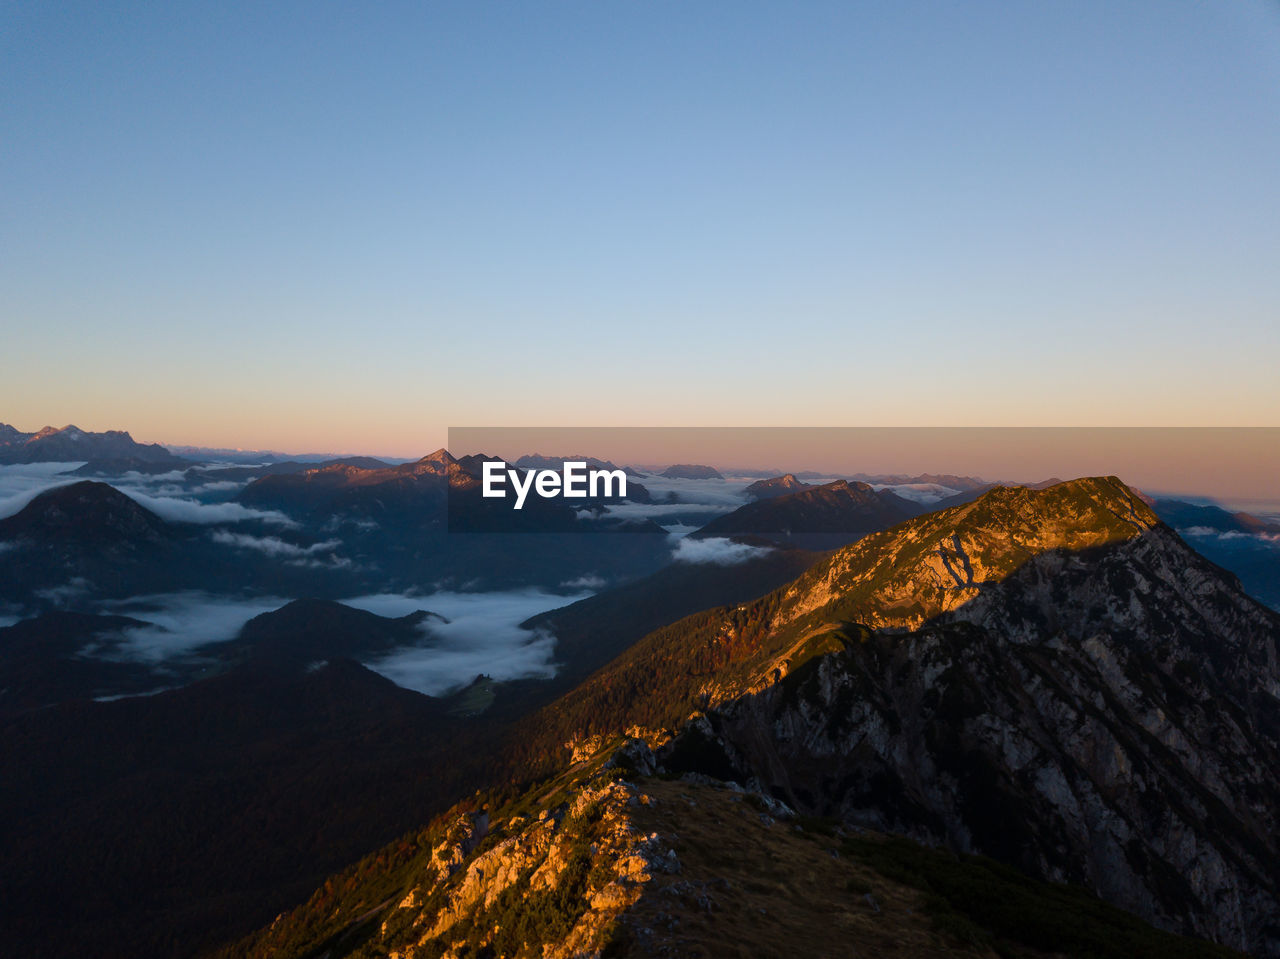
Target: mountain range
815	517
1050	680
859	733
71	444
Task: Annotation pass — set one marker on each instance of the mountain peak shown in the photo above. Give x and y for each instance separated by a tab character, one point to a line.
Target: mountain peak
937	562
441	455
87	511
309	630
775	486
1087	505
815	517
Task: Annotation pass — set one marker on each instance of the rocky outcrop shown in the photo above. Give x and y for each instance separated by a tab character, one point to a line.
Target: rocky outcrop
561	875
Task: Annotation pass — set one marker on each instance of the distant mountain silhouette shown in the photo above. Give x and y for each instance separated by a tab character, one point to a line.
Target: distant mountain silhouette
776	486
691	471
816	517
43	661
1182	515
89	513
307	631
949	480
72	443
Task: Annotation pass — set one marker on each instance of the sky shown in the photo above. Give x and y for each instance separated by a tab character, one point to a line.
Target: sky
336	227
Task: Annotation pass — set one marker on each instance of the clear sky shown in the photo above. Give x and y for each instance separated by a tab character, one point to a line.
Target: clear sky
348	227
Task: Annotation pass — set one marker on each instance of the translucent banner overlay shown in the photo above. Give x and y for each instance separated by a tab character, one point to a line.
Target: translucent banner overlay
683	479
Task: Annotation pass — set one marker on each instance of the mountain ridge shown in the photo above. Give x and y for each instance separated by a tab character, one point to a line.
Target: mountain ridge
71	444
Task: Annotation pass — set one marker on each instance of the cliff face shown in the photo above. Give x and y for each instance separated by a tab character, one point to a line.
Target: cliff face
1105	713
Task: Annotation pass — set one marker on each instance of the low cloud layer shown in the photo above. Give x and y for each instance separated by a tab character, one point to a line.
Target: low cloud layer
716	550
20	484
924	493
483	635
183	622
191	511
273	546
1232	536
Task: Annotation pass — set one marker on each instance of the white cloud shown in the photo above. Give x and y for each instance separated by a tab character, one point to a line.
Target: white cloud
658	511
711	492
190	511
1228	536
924	493
62	595
482	635
273	545
134	477
717	550
21	483
184	621
220	486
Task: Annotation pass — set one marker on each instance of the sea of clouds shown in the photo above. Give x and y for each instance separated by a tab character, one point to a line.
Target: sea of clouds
477	632
162	493
482	635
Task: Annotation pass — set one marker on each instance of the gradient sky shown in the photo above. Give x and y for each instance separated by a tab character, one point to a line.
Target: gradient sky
342	227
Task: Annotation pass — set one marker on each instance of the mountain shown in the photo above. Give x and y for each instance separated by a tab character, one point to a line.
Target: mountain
776	486
816	517
592	631
61	656
1244	543
87	541
949	480
85	513
609	859
255	471
636	492
969	494
427	521
536	461
215	454
1182	515
307	631
690	471
1052	678
335	486
43	661
72	443
184	817
127	464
